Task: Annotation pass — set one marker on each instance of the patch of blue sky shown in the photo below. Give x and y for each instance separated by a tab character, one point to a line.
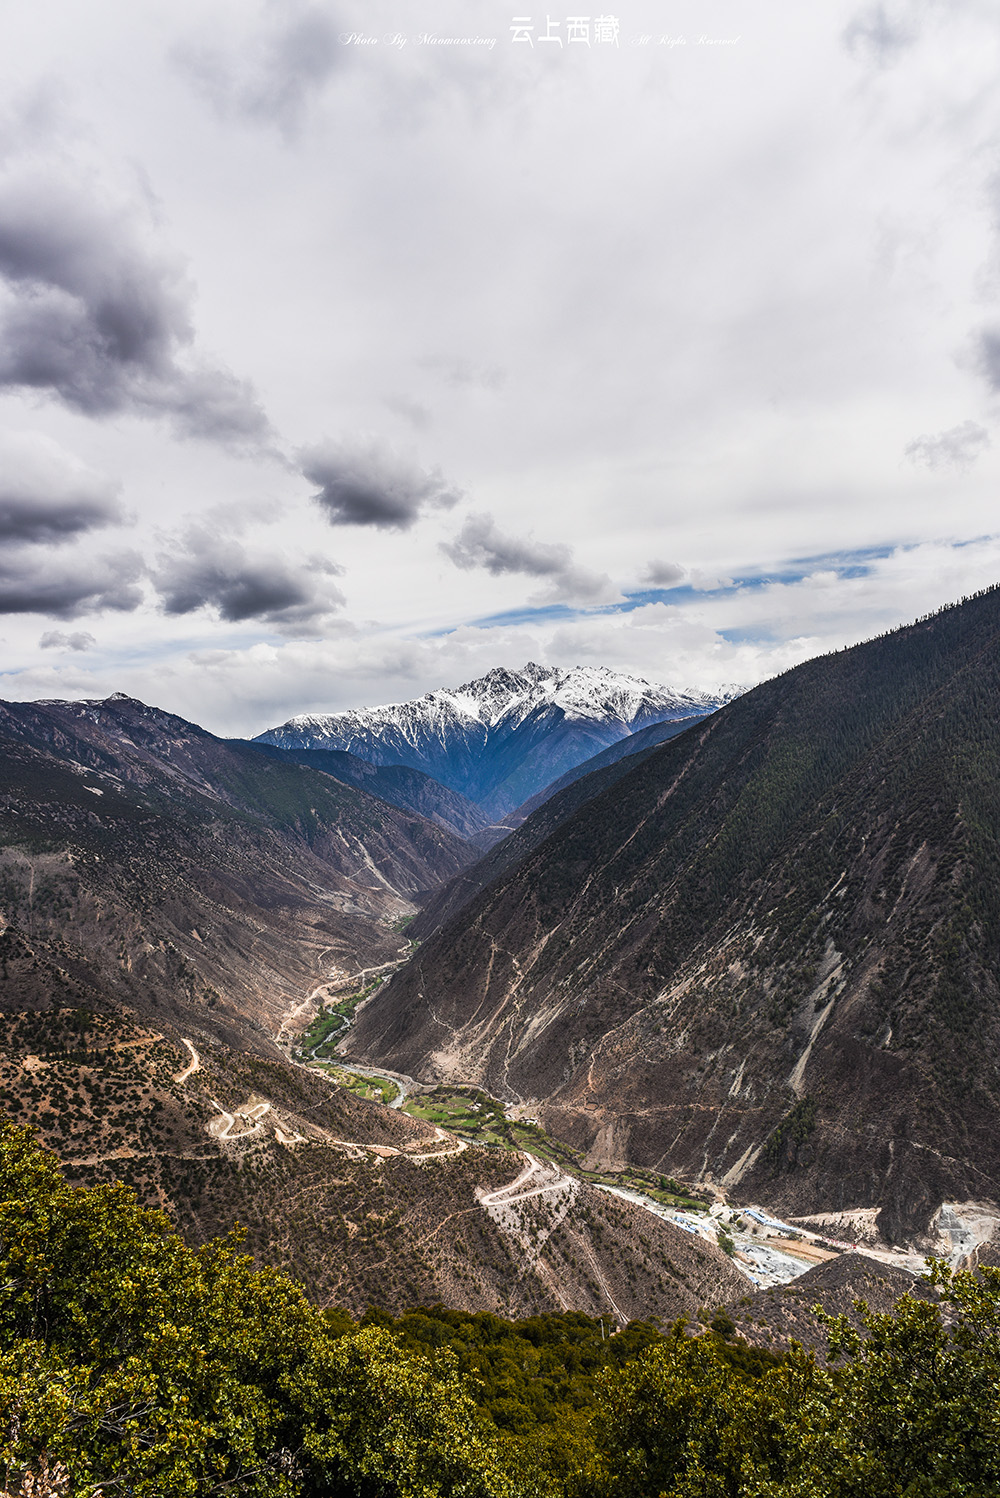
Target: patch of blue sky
684	593
973	541
846	564
749	634
524	615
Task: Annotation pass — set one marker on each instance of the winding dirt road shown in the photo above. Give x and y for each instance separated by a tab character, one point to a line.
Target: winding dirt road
537	1177
194	1066
223	1129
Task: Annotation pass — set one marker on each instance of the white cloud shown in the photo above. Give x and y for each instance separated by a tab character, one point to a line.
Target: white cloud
749	634
660	574
686	304
957	448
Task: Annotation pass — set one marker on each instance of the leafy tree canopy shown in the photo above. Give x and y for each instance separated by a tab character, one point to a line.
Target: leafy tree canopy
132	1364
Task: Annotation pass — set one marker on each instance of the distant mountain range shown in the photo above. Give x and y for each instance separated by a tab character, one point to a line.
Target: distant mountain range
500	739
764	953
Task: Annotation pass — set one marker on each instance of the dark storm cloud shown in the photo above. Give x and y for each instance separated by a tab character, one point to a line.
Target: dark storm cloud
959	447
480	544
29	513
28	517
94	316
66	591
369	485
207	570
278	74
662	574
880	34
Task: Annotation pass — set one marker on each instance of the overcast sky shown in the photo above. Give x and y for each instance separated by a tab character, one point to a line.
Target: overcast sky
347	350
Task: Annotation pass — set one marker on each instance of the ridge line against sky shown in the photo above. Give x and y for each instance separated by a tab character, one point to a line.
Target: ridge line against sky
346	352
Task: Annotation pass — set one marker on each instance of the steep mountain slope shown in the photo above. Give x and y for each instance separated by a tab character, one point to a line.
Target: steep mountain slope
168	902
500	739
184	867
646	738
578	787
769	954
410	790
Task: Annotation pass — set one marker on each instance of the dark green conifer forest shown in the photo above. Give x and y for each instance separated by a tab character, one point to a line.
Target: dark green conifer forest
133	1364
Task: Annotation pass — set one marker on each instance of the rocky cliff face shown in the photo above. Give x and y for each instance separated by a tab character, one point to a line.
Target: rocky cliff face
502	738
768	954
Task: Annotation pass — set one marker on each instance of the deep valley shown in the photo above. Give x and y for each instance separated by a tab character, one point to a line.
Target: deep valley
709	1030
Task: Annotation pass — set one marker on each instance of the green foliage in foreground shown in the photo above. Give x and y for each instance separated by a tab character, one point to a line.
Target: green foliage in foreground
131	1364
144	1367
538	1381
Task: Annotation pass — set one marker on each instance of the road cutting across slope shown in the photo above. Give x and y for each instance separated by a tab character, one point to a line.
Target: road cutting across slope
535	1179
195	1063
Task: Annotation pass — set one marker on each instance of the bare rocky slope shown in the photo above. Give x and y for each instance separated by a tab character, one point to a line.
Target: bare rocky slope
188	870
767	955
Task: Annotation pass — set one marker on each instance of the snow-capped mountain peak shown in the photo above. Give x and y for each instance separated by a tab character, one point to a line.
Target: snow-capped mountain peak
492	737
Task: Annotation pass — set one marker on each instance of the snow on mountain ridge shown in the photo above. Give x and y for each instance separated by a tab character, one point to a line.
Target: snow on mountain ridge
503	736
594	692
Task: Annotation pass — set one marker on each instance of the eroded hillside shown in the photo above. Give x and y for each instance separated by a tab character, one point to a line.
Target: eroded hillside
767	955
188	872
363	1203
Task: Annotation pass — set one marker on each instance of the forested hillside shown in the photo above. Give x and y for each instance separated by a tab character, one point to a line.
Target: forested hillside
767	955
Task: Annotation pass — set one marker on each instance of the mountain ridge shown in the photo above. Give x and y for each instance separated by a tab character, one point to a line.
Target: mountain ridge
500	738
767	955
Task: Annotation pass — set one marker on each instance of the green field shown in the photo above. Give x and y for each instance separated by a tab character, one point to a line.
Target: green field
472	1114
376	1089
323	1034
469	1113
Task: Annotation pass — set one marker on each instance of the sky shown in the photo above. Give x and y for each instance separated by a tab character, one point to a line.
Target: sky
350	349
